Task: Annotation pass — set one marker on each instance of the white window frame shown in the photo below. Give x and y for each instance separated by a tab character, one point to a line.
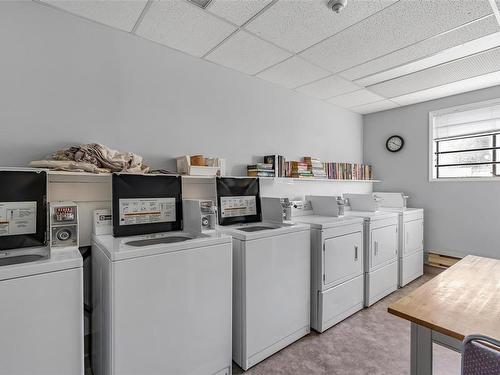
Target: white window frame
431	150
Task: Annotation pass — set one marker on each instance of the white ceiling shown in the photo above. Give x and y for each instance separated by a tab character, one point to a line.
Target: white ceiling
374	55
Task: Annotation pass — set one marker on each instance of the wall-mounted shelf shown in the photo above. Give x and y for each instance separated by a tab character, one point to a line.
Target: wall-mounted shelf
314	179
189	177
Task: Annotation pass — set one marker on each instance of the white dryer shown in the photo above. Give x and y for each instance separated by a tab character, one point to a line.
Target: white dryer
411	236
380	253
337	279
41	290
271	274
161	301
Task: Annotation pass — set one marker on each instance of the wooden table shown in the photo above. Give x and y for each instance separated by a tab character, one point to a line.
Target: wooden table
463	300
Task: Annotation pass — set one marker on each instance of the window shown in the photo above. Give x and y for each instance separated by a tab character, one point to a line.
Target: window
465	141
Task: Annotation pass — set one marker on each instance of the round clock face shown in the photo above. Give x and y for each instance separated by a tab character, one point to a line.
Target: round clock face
394	143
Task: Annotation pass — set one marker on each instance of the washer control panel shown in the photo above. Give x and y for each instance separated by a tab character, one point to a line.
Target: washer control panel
63	224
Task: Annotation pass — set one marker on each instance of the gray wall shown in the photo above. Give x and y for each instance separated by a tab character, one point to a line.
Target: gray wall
65	80
461	217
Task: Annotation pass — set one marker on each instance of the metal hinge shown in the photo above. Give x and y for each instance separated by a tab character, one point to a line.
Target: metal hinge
324	277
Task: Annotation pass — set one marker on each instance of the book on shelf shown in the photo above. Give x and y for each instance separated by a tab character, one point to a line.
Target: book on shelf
309	168
260	173
261	166
278	163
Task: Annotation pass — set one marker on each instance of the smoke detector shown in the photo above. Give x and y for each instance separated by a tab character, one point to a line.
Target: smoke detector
337	5
201	3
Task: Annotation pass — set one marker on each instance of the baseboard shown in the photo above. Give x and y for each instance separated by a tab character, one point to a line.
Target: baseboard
438	260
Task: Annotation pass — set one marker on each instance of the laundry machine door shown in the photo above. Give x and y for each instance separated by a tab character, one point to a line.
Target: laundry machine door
343	258
413	236
383	245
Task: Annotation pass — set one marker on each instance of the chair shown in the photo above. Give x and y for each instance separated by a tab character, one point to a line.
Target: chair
480	356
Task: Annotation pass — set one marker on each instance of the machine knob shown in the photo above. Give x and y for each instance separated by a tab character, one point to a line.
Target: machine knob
63	235
205	222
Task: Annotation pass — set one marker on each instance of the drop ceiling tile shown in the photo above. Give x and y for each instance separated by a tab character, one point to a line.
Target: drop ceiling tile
355	99
470	84
328	87
467	67
247	53
374	107
298	24
237	11
183	26
120	14
428	47
292	73
397	26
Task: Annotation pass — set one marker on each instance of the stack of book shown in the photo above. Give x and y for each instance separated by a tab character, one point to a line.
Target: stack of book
316	167
278	162
300	170
348	171
260	170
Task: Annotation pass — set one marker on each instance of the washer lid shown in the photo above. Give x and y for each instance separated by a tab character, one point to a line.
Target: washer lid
246	232
153	244
59	259
375	215
323	222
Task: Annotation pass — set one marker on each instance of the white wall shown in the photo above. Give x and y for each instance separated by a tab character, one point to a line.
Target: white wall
65	80
460	217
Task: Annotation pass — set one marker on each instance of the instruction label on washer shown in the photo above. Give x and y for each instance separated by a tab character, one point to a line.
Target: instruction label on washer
17	218
147	211
238	206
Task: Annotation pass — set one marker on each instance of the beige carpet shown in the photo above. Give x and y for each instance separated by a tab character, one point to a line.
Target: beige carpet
369	342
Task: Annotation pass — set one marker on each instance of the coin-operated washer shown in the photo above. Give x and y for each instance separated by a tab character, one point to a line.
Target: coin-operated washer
161	294
41	287
271	273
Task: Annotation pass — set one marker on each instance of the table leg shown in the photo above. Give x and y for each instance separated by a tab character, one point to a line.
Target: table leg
421	350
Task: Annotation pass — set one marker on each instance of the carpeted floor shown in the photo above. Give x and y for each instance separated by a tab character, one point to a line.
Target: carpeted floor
369	342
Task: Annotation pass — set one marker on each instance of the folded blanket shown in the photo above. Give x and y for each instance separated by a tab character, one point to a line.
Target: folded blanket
95	158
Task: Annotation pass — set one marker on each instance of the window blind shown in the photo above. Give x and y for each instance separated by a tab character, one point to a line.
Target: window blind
457	123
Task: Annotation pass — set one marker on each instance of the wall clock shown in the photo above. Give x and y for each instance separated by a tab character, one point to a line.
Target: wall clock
394	143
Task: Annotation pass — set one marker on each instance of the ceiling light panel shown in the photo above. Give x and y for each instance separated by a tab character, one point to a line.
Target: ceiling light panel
183	26
382	105
355	99
237	12
298	24
247	53
470	84
428	47
119	14
467	67
293	72
395	27
328	87
451	54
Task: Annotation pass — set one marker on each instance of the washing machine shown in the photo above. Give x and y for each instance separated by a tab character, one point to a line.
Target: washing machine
271	273
381	242
411	235
161	296
337	278
41	289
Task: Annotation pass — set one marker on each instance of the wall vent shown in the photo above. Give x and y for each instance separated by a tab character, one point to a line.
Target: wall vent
201	3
